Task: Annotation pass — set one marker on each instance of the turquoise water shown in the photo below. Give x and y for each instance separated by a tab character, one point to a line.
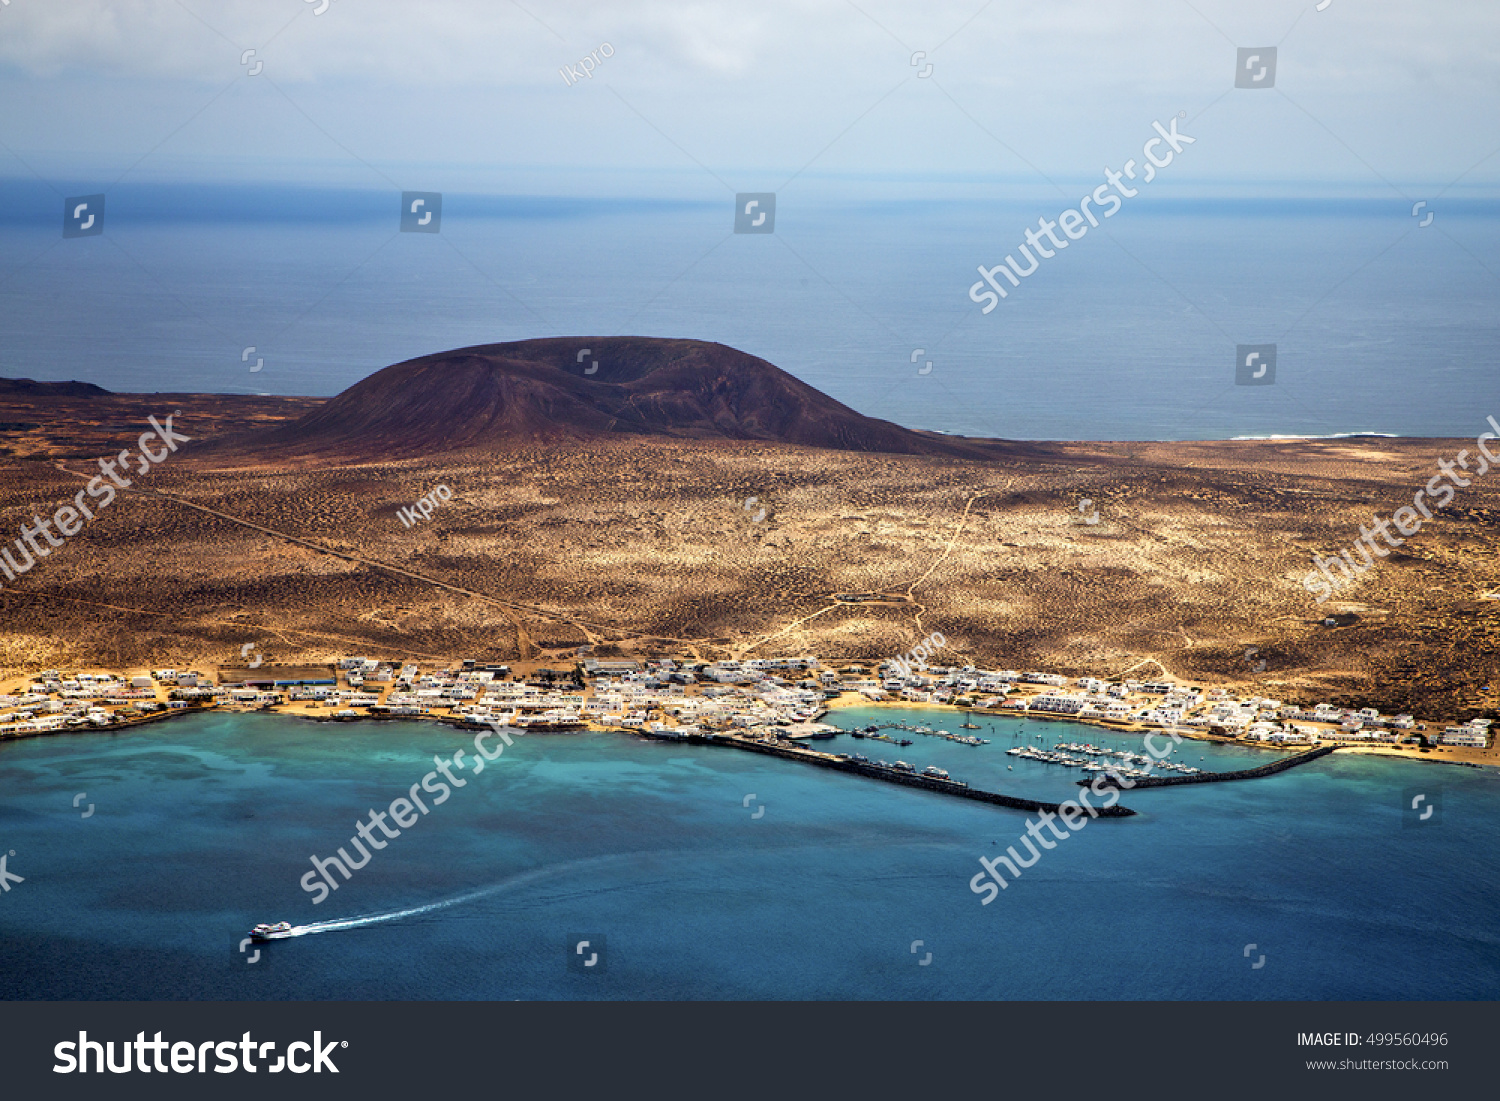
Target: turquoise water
203	826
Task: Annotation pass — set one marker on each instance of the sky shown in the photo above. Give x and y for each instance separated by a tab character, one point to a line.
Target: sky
698	99
589	155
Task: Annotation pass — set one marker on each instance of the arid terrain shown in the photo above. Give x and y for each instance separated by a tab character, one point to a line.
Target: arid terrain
639	544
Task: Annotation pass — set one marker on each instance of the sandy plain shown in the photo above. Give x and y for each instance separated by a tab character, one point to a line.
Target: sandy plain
641	546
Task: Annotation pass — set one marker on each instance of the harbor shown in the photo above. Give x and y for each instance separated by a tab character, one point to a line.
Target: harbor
876	731
1091	757
899	772
833	850
1200	777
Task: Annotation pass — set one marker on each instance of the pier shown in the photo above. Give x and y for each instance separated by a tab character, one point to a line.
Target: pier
1223	777
876	772
961	739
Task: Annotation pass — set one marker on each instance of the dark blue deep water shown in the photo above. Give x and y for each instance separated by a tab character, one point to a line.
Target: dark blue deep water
1380	326
203	826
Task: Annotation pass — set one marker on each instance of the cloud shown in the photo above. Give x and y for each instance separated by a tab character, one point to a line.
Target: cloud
1082	45
437	42
782	82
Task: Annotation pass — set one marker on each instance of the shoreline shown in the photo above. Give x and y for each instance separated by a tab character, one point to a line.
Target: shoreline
1190	733
843	702
793	752
1270	768
816	758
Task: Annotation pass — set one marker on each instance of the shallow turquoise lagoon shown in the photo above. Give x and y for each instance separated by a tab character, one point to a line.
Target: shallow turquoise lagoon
204	826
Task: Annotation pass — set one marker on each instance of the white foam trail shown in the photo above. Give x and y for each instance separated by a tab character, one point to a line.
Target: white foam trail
1330	436
395	915
338	924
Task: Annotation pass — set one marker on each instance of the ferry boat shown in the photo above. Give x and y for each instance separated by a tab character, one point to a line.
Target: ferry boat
265	931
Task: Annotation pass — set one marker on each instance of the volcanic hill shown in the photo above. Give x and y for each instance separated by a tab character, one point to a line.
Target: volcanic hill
495	395
30	388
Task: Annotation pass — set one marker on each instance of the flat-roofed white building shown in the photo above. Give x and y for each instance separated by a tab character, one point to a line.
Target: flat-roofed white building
1469	736
1062	705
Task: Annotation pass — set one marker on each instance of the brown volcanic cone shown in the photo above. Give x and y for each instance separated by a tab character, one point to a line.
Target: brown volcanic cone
29	388
499	394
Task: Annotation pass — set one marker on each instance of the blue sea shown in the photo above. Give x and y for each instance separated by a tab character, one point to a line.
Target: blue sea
707	872
1381	324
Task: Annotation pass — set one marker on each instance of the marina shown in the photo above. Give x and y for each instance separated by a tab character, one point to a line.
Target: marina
931	778
875	731
1091	758
1198	776
831	846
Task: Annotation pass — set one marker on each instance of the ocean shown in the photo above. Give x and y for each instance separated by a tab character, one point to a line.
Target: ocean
1381	323
710	873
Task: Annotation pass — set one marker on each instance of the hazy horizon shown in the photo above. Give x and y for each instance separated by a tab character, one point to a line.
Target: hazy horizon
253	157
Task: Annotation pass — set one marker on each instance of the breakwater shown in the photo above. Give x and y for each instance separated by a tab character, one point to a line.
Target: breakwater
875	772
1222	777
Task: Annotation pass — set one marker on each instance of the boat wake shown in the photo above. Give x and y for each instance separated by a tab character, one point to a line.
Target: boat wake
339	924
